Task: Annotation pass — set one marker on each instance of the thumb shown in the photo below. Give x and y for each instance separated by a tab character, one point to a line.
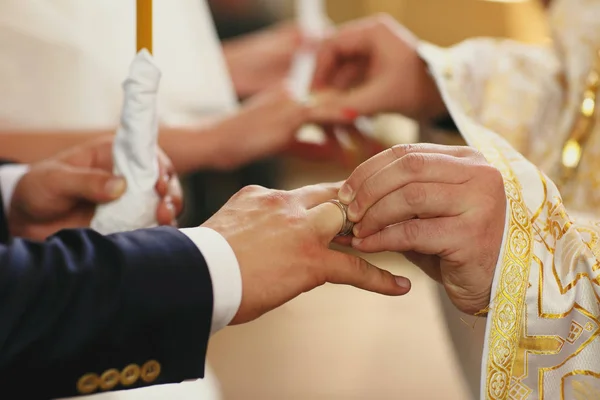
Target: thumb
93	185
327	220
347	269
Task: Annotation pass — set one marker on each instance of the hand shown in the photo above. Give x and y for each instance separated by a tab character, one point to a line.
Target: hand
266	125
281	242
372	66
63	191
262	60
443	206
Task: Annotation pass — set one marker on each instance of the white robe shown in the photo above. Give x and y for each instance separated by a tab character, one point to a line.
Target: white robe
62	63
519	104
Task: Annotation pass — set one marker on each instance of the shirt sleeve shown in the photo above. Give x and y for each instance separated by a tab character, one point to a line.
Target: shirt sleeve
224	272
10	175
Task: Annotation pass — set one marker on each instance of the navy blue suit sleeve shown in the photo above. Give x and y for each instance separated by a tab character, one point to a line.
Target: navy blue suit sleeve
82	312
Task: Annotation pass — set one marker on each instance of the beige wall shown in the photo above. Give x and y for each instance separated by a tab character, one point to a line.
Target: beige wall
446	22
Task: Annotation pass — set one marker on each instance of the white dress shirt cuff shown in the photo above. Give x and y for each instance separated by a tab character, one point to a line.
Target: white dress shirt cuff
10	175
224	272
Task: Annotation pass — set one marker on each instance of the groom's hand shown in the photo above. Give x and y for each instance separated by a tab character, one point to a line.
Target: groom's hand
281	240
443	206
63	191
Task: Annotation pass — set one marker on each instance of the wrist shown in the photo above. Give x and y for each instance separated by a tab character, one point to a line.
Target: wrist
193	149
430	105
234	57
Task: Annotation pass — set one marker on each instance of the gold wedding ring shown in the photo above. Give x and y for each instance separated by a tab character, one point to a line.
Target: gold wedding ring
347	225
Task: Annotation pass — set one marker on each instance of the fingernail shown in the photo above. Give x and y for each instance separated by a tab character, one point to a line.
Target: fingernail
345	194
353	211
356	230
402	282
350	114
115	187
356	241
169	204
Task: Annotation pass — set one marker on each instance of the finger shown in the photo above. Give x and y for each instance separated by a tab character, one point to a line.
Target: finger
346	269
350	74
415	200
345	241
96	153
313	195
436	236
165	212
94	185
327	220
350	41
376	163
165	172
343	106
175	192
415	167
162	184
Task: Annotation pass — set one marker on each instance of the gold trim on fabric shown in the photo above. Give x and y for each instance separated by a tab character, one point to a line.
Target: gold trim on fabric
508	306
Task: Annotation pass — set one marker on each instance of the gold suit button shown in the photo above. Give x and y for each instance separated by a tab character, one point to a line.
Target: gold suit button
88	384
150	371
110	379
130	374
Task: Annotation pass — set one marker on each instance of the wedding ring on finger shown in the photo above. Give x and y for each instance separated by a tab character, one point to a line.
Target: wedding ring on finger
347	225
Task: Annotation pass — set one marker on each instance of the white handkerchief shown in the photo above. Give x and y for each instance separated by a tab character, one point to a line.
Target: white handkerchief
134	152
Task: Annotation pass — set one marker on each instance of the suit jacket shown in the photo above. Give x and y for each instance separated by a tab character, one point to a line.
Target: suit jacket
82	313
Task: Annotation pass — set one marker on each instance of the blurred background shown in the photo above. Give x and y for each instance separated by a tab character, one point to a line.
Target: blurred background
335	342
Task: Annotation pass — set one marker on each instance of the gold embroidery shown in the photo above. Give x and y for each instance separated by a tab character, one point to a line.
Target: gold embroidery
532	344
581	389
509	301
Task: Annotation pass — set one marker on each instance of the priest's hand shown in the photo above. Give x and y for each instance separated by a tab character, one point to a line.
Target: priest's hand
281	241
444	207
63	191
372	66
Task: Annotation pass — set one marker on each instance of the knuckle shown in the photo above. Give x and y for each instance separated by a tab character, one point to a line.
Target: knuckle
252	189
275	198
400	150
414	194
360	266
410	232
472	152
413	162
384	20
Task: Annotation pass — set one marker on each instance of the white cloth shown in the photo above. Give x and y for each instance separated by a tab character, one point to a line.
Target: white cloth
227	291
10	175
135	153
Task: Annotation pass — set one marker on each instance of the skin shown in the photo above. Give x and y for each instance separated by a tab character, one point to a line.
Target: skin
293	231
372	66
444	207
63	191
